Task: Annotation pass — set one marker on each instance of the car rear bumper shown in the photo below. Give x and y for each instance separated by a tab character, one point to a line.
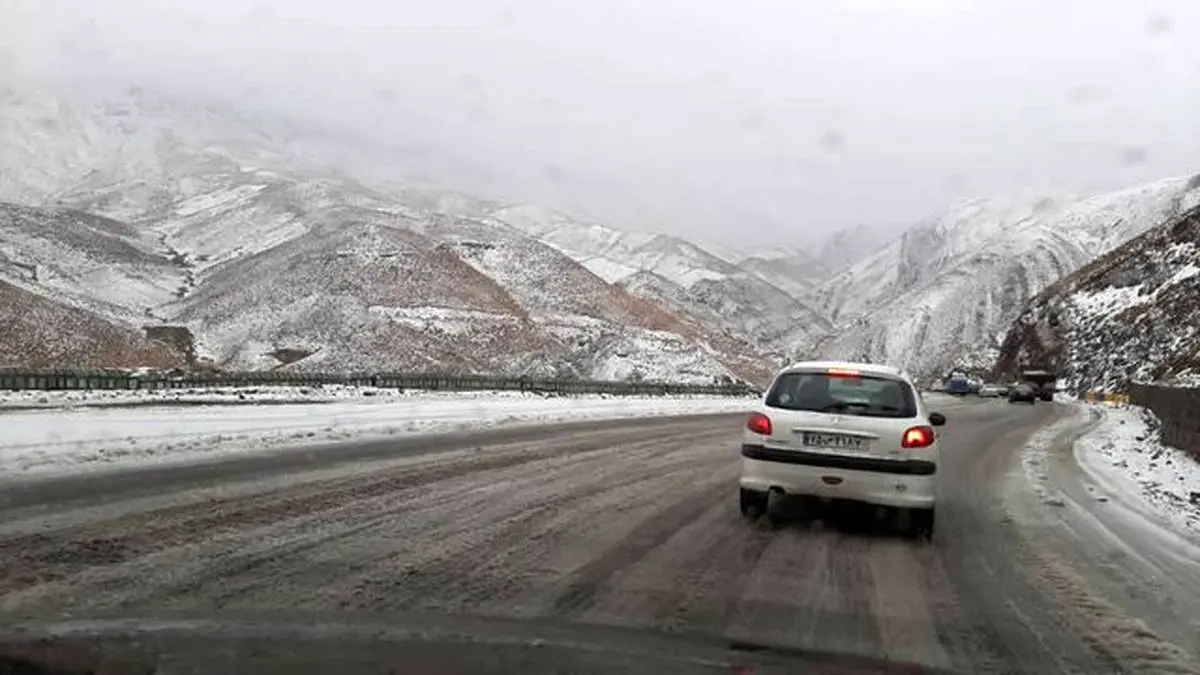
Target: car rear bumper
899	483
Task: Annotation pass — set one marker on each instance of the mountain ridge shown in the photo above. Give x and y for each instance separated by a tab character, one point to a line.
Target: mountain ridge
942	295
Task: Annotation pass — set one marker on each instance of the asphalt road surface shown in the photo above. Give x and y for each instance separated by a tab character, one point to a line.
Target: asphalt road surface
631	524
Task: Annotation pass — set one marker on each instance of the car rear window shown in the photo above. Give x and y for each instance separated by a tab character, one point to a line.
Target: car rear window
866	395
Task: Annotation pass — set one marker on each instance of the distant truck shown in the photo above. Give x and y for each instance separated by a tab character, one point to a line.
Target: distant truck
1044	383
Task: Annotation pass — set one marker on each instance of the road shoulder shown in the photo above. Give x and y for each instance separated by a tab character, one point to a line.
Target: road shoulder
1128	586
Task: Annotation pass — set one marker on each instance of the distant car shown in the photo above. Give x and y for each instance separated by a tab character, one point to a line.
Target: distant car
852	431
958	386
1022	393
990	391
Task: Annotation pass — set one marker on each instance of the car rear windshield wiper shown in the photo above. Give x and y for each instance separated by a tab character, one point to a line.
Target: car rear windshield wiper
886	411
841	406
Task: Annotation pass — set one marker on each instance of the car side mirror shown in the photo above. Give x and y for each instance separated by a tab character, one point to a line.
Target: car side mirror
937	419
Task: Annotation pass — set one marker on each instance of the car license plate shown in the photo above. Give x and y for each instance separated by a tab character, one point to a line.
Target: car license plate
814	439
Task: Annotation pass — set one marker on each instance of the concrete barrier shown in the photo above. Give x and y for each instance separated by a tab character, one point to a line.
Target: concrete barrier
1177	408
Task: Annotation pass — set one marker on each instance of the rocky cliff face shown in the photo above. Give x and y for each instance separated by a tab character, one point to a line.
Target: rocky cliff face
1131	316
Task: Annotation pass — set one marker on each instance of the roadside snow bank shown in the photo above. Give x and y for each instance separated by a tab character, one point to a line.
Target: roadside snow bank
223	395
1124	455
69	439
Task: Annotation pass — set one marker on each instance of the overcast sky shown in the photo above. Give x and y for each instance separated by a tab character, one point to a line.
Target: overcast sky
764	120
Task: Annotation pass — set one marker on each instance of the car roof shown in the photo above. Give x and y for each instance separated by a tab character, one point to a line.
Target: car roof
870	368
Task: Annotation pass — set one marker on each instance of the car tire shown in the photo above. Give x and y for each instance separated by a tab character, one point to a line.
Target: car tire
753	504
920	523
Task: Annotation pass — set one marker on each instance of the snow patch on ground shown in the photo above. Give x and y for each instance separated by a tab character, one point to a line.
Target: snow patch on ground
608	270
82	438
1108	300
1124	454
440	319
219	395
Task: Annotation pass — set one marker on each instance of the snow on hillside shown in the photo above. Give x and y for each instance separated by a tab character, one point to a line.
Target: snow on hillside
1132	315
254	213
617	255
596	323
99	264
371	290
542	279
680	261
38	332
944	292
49	144
848	246
753	300
741	306
273	260
332	291
797	274
123	156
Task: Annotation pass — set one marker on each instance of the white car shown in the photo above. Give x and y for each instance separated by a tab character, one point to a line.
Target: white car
852	431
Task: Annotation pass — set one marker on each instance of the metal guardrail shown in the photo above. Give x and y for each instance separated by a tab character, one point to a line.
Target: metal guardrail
57	380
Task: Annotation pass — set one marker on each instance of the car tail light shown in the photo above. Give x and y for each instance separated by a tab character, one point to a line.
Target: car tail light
843	372
917	437
759	424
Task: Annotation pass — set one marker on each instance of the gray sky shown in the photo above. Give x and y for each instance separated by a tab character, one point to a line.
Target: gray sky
773	119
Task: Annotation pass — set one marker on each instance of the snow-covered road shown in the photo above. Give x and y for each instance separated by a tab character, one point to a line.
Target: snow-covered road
631	525
79	437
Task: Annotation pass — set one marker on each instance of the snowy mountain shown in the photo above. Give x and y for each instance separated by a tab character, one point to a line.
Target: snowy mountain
754	298
615	255
848	246
1132	315
796	273
138	211
200	218
944	293
95	263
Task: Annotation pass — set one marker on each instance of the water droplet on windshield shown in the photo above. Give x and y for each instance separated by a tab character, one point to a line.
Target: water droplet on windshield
506	16
262	12
956	182
833	141
384	95
1084	94
752	122
553	172
1158	25
1133	156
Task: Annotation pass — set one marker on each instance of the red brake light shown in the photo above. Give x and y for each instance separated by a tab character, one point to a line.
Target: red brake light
842	372
759	424
917	437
